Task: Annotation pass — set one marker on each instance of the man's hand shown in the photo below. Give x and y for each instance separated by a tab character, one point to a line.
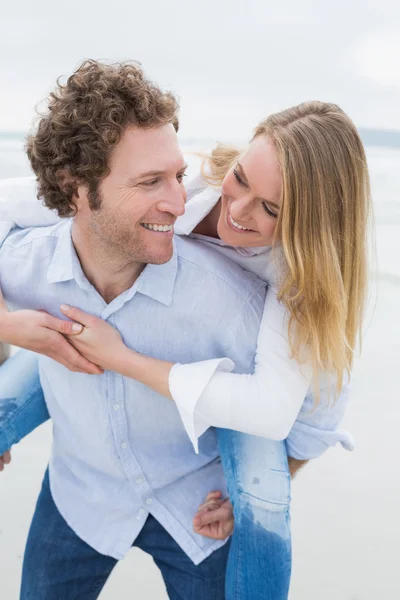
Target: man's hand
40	332
5	459
214	518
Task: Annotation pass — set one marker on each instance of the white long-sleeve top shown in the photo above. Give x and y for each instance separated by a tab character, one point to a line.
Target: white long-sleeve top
276	401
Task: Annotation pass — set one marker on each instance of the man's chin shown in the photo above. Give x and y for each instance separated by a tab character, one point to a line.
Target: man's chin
160	258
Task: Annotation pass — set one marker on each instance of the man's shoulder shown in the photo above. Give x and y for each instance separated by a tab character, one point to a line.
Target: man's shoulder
212	265
47	235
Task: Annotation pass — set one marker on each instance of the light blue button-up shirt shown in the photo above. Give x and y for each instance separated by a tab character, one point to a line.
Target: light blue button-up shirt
120	450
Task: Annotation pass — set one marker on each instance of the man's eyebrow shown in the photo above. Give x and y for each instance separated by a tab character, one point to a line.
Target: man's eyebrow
133	180
243	176
153	174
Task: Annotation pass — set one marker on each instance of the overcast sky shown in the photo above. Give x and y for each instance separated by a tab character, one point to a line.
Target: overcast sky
230	62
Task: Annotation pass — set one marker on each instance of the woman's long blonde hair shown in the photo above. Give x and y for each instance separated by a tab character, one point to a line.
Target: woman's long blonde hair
322	230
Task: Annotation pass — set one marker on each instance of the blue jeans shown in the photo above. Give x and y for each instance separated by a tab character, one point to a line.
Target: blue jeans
258	479
58	565
256	469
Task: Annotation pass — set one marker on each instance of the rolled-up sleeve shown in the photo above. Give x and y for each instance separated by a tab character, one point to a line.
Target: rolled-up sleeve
317	426
265	403
187	383
274	402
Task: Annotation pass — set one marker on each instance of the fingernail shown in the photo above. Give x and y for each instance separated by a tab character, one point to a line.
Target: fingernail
76	328
64	307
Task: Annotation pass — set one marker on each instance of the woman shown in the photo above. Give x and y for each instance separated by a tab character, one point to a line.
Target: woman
301	188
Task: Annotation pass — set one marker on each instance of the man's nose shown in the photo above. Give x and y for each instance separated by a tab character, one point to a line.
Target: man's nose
174	201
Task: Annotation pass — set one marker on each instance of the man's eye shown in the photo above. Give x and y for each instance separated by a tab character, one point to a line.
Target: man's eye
181	176
150	183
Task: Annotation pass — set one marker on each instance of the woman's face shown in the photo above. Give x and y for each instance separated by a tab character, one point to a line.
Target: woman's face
251	197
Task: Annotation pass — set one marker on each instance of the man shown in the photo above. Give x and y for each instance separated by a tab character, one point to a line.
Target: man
122	469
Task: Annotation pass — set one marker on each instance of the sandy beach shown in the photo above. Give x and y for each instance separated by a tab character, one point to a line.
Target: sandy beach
345	521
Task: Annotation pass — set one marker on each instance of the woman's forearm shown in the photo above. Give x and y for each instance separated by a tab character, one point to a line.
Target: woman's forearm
152	372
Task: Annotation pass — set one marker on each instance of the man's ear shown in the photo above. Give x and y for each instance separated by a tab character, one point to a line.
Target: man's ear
72	187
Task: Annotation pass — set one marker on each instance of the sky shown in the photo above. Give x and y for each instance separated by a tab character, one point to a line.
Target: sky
230	62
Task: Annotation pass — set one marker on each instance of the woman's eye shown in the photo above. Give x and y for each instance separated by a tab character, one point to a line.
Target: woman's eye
238	178
181	176
269	211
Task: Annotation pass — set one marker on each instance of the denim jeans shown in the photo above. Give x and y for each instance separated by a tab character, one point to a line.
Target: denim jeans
256	469
58	565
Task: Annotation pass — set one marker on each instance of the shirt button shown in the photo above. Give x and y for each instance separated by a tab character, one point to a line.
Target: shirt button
116	406
141	513
139	480
149	501
124	445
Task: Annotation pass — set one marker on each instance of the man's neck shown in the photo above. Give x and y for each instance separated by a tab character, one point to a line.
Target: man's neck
110	275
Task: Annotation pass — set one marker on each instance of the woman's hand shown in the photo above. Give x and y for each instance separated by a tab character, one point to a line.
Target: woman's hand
99	342
40	332
214	518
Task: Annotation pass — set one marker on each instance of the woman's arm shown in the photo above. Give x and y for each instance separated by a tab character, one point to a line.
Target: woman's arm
40	332
265	403
19	205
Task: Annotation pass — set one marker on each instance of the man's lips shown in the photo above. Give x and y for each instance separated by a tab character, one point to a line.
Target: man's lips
163	228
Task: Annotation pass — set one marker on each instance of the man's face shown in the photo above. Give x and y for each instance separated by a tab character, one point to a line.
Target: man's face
141	198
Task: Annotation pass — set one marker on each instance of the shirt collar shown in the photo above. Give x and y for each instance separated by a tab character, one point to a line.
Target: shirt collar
61	264
196	209
155	281
158	281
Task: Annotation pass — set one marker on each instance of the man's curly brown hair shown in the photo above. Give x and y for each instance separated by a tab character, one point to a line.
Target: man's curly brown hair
84	122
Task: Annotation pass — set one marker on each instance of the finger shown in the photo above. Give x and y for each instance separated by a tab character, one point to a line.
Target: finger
74	358
64	327
1	464
70	366
210	505
75	314
213	494
6	457
205	518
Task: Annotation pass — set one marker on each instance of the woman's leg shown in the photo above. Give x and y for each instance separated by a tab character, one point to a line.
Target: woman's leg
256	469
22	405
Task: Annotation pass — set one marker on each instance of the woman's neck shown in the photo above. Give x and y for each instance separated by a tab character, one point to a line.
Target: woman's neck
209	225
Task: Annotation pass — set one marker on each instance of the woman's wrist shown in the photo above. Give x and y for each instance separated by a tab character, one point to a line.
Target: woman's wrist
127	363
150	371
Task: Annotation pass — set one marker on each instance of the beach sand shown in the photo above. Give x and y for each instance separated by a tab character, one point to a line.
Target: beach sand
344	513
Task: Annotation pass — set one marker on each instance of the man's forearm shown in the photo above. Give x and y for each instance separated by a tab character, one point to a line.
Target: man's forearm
295	465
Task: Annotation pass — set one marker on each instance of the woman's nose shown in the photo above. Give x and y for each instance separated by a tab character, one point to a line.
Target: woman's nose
241	208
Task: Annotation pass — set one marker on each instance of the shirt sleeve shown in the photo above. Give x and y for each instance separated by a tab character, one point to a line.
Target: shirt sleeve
19	206
317	426
274	402
265	403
